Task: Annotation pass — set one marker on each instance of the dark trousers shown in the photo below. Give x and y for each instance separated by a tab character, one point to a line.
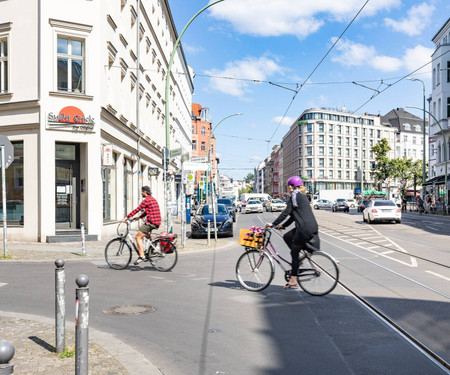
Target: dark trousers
296	242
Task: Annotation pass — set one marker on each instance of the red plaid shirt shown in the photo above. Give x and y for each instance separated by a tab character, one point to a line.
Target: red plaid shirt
151	210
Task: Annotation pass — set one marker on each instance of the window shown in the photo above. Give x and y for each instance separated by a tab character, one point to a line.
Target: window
339	129
203	146
309	151
109	191
364	154
194	145
347	163
321	128
330	163
347	175
355	175
330	174
330	139
321	162
14	188
347	152
3	66
309	173
355	153
309	139
414	140
339	163
321	173
321	139
355	164
339	175
128	165
339	141
355	142
347	130
309	128
371	132
339	151
330	151
438	74
330	128
355	131
448	106
70	57
300	140
378	133
193	129
448	72
300	152
347	141
321	150
364	143
309	163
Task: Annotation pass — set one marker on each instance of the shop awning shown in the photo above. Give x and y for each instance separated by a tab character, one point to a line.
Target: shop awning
438	180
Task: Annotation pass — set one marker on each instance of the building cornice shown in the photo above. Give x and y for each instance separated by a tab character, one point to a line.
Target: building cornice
19	105
70	25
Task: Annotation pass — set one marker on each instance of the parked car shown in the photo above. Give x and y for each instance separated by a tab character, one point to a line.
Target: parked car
340	205
382	210
199	222
253	205
230	207
275	205
363	205
323	203
351	203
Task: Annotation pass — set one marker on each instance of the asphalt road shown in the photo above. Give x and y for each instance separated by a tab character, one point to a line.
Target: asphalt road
205	323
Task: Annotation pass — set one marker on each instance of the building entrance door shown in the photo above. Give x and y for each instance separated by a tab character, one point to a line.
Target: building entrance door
67	181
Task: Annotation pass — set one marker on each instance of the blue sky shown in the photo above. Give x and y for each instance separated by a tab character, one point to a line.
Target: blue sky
254	42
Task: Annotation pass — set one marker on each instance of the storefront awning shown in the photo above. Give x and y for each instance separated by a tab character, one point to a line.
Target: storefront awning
438	180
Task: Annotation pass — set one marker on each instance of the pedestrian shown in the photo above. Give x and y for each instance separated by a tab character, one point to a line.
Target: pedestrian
421	205
404	204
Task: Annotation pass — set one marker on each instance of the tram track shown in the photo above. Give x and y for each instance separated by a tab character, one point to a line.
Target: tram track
379	313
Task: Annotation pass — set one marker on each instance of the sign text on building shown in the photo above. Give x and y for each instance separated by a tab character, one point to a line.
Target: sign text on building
70	118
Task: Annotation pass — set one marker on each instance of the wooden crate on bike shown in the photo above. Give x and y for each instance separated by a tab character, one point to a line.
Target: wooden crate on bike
249	238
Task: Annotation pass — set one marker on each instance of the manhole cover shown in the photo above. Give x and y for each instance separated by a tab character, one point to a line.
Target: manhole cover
130	310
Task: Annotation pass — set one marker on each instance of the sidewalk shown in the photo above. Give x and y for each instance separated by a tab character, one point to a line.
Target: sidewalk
34	336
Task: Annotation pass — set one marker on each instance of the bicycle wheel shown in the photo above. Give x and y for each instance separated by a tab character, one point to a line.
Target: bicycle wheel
118	254
163	257
254	270
318	273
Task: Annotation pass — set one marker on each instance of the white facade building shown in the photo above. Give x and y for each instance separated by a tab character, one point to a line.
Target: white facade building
439	106
331	147
82	89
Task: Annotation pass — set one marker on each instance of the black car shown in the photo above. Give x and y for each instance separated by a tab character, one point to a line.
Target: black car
340	205
199	222
230	206
362	206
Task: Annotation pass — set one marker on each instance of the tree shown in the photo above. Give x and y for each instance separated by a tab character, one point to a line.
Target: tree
250	177
383	167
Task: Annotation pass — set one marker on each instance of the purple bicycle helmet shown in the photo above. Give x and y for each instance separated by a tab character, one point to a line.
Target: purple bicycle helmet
295	181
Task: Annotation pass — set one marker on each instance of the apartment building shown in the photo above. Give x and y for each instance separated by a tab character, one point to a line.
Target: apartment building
332	148
439	107
82	98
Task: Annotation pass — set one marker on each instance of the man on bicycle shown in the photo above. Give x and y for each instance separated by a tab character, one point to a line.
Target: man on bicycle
305	234
151	210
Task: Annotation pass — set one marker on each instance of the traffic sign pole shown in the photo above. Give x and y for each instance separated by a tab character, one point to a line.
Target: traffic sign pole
5	237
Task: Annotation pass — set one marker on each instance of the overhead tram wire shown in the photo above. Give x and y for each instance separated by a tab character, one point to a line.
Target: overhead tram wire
317	66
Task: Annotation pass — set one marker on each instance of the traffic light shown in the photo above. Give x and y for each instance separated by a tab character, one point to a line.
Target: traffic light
372	165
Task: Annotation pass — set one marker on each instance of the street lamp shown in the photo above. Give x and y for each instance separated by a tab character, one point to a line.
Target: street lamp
445	155
208	150
166	151
424	136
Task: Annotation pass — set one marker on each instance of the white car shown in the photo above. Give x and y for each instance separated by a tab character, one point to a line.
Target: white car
253	205
275	205
351	203
382	210
322	203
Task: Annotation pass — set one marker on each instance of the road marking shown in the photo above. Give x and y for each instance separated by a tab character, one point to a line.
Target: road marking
430	227
436	274
3	284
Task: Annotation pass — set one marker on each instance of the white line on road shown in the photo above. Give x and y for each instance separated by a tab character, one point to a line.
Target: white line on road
430	227
3	284
436	274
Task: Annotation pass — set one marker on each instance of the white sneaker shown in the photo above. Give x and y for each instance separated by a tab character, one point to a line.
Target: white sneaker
139	260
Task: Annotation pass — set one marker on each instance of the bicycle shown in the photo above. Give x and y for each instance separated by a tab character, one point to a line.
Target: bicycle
318	273
161	251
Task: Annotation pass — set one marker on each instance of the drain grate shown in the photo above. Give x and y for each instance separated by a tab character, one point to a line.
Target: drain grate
130	310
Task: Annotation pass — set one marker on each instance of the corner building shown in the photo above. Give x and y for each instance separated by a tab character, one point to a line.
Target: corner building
332	148
82	99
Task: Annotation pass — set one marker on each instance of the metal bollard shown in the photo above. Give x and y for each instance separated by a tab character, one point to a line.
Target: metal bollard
208	233
6	354
82	325
83	240
60	306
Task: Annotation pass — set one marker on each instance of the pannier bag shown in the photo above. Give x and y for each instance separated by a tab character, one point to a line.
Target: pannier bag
167	247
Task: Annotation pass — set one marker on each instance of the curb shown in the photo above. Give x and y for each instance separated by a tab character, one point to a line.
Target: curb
132	360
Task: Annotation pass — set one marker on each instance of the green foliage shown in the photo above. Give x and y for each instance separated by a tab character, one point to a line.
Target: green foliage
248	189
67	353
250	177
5	256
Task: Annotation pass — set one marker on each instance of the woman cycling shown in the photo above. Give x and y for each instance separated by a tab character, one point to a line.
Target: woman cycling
304	236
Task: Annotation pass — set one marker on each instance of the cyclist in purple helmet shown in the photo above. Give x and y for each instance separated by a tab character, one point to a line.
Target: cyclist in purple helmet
305	233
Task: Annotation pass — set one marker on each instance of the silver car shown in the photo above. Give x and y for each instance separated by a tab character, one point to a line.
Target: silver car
322	203
275	205
253	206
382	210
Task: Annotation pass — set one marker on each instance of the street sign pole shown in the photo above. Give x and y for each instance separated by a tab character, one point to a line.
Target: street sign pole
5	238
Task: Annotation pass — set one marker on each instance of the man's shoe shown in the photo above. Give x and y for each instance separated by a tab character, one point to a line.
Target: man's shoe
139	260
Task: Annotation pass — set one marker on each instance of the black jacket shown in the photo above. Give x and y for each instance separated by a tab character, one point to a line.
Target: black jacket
305	222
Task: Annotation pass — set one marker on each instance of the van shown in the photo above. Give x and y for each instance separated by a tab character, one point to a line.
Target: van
246	196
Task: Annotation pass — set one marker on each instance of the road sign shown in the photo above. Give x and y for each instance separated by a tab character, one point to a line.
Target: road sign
196	166
175	152
403	182
199	159
9	151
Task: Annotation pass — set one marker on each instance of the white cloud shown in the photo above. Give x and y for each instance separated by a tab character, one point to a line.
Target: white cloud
192	49
249	68
286	121
418	19
291	17
416	57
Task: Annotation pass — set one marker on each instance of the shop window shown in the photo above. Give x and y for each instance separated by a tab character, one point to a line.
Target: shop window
109	179
71	65
3	66
127	185
14	188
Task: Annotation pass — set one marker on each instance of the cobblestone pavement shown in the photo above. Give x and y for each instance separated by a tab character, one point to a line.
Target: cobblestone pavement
35	353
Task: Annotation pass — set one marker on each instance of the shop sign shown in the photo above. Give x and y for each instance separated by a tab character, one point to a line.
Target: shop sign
70	118
153	172
108	159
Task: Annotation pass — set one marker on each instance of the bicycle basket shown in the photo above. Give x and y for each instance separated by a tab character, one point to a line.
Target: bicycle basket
166	246
249	238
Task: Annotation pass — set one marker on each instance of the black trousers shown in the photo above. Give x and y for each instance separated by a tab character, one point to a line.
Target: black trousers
296	242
